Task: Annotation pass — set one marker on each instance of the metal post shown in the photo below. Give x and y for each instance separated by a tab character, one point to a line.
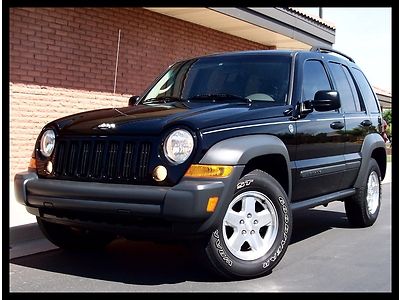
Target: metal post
320	12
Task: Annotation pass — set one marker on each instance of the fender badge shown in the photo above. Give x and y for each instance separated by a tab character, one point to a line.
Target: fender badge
291	128
106	126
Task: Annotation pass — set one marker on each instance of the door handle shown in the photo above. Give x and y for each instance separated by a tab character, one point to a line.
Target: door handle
337	125
366	123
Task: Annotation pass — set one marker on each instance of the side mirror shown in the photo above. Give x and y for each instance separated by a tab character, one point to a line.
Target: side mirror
132	100
326	101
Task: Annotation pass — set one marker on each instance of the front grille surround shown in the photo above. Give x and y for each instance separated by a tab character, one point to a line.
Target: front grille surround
118	160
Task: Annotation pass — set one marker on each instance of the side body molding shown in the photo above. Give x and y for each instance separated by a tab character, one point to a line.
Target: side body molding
371	142
240	150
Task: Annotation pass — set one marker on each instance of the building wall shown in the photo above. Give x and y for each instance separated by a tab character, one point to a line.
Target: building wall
62	61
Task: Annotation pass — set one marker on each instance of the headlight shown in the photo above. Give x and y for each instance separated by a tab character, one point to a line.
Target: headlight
178	146
47	142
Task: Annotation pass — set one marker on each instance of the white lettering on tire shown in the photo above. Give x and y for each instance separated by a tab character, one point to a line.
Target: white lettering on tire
242	184
220	250
273	257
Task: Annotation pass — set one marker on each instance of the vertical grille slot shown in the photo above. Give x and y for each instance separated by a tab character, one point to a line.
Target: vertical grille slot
144	160
112	160
128	160
83	168
97	161
60	158
72	159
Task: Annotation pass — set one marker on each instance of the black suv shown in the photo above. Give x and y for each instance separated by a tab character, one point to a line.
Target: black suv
218	152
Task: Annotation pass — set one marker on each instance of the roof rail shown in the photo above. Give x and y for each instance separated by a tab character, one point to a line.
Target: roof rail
328	50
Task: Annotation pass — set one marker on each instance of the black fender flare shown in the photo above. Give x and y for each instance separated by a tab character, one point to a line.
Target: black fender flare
240	150
371	142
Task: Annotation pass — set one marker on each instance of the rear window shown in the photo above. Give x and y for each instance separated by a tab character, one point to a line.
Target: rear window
366	91
348	96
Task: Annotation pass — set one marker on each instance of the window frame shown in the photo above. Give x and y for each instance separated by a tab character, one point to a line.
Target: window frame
376	103
357	103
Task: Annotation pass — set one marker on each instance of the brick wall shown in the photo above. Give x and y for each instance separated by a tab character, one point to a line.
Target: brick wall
48	103
62	61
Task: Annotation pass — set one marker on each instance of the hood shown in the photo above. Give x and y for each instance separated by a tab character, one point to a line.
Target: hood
153	119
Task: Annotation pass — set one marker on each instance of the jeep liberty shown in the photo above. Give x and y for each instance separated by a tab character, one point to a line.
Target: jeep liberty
217	153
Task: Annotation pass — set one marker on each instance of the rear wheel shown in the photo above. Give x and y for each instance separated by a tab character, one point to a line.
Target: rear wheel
255	230
73	238
362	209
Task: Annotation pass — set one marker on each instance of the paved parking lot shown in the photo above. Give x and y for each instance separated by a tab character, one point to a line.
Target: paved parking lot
325	254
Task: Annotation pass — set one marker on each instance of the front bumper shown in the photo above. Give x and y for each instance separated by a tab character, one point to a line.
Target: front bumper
183	203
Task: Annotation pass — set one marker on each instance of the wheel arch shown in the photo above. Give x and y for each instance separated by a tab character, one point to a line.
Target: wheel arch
260	151
372	147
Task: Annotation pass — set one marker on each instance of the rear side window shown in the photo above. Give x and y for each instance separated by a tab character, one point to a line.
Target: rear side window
359	104
314	79
348	98
366	91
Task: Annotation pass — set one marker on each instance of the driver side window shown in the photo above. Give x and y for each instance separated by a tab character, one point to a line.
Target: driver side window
314	79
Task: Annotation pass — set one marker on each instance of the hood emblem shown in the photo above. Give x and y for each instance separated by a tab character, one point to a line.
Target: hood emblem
106	126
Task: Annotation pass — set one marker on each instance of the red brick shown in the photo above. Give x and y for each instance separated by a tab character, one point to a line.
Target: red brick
41	57
27	31
26	43
55	48
54	25
62	33
53	81
61	21
54	59
40	46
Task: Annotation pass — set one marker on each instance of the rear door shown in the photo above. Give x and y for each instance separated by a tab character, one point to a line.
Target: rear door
356	120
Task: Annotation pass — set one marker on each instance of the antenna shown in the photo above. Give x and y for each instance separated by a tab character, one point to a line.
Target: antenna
116	61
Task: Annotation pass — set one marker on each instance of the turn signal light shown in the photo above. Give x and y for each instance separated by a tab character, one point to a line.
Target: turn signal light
212	171
212	203
32	163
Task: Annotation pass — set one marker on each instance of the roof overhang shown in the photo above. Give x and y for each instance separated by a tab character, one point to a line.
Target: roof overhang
384	97
384	101
279	27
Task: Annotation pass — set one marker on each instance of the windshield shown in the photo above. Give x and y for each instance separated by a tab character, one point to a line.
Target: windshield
225	78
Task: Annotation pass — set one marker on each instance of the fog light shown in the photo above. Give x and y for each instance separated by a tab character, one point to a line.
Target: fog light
49	167
160	173
212	204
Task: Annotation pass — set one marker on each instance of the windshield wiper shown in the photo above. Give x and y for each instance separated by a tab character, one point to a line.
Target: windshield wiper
221	96
162	99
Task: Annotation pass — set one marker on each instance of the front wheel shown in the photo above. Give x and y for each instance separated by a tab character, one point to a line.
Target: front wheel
255	230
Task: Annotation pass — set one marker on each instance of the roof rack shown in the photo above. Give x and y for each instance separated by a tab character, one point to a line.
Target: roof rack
328	50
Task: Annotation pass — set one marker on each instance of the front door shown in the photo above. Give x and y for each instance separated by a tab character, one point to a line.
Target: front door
320	141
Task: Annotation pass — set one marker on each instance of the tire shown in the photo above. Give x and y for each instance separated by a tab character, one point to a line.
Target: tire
362	209
254	232
69	238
